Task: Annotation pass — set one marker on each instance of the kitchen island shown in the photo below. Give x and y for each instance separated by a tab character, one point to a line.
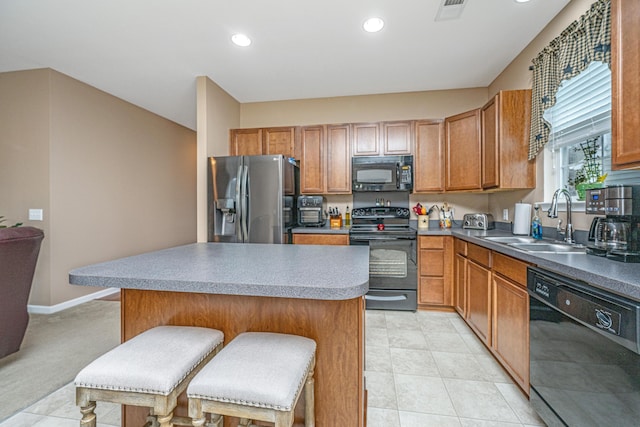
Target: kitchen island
313	291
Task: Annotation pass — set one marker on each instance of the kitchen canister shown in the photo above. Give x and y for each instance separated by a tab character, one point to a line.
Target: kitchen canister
423	221
522	219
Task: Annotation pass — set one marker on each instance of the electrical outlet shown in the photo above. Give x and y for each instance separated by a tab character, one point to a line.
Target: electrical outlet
505	214
35	214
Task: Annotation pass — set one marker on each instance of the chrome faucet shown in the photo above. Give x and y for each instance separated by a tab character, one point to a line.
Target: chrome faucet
553	213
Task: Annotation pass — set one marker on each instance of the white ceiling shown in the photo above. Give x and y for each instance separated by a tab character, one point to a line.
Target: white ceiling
149	52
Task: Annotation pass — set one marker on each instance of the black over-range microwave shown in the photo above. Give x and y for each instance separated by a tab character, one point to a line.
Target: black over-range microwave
382	173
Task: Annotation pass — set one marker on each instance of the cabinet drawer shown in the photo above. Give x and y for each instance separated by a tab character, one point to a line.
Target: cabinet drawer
510	268
432	263
460	247
479	254
320	239
432	242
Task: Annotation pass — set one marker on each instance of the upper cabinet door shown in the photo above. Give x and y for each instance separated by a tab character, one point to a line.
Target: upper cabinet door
397	137
428	159
312	163
280	141
338	159
366	139
625	84
490	143
245	142
505	121
463	151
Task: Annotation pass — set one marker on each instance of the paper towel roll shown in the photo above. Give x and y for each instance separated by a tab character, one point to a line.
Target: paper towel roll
522	219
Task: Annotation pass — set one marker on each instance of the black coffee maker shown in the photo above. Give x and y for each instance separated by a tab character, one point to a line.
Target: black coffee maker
617	235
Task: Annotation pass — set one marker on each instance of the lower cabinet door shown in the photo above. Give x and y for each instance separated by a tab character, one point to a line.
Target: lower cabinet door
460	285
479	300
511	328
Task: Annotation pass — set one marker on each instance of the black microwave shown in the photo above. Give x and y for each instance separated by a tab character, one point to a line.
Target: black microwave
382	173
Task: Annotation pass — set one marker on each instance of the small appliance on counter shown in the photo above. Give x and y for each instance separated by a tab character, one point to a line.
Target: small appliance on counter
310	211
617	235
478	221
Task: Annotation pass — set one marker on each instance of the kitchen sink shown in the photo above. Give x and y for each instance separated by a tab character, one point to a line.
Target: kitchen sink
529	244
511	239
550	248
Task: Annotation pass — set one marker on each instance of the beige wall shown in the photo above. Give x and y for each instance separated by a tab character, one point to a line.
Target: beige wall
217	113
24	159
518	76
367	108
113	179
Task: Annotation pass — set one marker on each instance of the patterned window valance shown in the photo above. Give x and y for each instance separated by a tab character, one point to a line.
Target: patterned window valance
585	40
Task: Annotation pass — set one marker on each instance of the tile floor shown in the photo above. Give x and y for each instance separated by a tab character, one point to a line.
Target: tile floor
422	369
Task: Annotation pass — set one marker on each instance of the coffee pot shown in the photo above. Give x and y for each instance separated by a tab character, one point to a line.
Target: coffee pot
616	236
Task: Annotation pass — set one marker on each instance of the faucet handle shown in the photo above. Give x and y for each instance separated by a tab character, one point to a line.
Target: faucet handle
559	227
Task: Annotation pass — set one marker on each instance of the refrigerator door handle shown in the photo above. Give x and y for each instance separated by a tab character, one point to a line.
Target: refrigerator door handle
239	210
245	210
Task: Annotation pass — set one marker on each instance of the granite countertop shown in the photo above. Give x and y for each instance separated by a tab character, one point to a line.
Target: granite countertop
613	276
288	271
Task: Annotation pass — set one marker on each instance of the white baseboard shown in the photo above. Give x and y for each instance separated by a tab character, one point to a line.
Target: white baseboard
50	309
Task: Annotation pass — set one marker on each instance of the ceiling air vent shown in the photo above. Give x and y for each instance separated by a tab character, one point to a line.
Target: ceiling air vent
450	9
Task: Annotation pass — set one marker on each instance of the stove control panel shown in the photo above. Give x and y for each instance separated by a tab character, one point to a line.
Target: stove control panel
381	212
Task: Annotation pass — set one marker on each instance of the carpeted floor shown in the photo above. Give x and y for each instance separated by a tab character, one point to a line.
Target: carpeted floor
55	348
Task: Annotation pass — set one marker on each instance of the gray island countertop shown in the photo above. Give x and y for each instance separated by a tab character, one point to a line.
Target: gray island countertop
288	271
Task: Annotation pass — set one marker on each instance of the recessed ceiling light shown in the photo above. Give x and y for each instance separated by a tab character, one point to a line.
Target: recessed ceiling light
373	25
522	1
241	40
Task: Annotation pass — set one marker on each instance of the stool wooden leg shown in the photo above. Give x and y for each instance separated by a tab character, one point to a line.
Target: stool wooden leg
309	397
165	420
216	421
88	415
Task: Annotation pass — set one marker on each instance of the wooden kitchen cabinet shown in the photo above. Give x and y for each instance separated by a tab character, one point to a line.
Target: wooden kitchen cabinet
463	151
253	142
245	142
625	85
325	159
428	159
478	276
460	277
510	317
279	140
366	139
320	239
397	138
435	264
505	122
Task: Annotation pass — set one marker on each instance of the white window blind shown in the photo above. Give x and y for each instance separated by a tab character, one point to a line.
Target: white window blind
583	111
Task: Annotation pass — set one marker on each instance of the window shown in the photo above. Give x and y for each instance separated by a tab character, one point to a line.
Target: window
579	147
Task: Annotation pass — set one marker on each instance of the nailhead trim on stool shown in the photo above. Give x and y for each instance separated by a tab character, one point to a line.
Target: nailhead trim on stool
149	370
257	376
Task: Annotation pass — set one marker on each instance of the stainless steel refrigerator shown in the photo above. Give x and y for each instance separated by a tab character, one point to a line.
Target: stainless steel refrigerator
252	199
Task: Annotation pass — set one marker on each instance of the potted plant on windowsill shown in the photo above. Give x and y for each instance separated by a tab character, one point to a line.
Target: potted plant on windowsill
590	173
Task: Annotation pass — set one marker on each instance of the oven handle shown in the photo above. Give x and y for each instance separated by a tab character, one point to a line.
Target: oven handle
394	298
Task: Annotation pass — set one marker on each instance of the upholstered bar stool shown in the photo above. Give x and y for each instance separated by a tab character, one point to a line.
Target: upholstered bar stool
149	370
258	376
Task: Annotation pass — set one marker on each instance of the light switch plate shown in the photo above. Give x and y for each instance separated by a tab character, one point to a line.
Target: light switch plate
505	214
35	214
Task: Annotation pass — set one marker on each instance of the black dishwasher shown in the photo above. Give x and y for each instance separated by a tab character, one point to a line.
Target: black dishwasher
585	358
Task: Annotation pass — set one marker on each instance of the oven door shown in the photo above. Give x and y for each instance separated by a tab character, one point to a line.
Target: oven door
393	273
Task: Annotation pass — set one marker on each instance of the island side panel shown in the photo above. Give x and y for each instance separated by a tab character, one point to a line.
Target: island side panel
336	326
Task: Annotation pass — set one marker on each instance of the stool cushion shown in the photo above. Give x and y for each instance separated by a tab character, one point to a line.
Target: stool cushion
155	361
260	369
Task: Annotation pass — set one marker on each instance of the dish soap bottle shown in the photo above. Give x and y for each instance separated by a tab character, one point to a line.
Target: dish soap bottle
536	225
